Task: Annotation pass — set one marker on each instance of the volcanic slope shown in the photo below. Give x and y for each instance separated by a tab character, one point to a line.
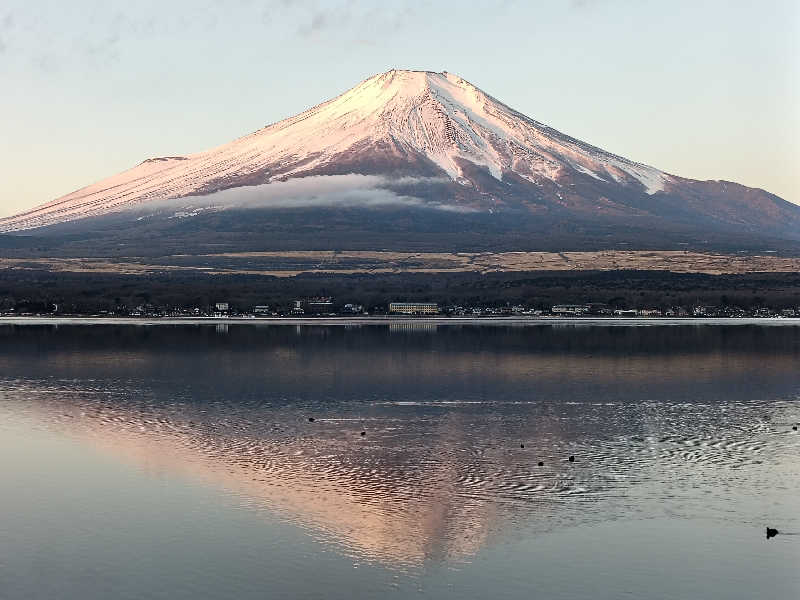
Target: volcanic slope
443	142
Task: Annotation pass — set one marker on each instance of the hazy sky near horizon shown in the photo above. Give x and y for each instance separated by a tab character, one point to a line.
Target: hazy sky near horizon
88	88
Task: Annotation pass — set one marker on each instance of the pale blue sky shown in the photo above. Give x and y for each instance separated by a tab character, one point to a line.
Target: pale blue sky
88	88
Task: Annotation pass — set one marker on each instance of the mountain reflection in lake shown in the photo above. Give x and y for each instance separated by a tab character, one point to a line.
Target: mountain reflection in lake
669	426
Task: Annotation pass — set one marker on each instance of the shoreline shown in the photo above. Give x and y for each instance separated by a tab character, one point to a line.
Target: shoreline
406	321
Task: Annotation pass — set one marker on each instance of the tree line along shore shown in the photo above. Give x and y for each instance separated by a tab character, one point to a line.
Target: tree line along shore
460	294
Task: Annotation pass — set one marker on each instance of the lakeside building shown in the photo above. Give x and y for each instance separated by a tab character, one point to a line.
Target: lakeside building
570	309
600	308
261	310
414	308
319	305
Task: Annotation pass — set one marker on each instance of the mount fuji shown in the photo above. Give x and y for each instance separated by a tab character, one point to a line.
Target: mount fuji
430	142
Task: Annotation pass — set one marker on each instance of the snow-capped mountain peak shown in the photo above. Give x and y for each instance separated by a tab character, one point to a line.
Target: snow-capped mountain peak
445	118
421	124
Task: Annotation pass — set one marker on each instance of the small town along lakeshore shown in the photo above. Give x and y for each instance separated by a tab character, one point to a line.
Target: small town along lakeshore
404	322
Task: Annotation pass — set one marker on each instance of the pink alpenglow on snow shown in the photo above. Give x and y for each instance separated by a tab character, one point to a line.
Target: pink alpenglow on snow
426	126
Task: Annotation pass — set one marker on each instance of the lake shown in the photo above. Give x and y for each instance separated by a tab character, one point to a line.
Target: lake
406	460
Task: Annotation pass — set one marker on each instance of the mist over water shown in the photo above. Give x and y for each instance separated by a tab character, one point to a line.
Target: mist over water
181	461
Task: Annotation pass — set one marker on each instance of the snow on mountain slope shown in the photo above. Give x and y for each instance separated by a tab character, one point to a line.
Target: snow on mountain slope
436	120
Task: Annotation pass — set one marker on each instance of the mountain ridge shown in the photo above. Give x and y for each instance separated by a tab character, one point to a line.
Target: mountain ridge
423	125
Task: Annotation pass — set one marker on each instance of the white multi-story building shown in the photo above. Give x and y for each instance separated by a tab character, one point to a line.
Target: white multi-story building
414	308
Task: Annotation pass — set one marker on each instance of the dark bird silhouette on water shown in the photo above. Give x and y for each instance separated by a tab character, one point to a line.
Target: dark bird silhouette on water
771	533
541	464
571	459
363	433
310	419
522	445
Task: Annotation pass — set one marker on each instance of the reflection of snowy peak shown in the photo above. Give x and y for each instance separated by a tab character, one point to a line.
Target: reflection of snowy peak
415	123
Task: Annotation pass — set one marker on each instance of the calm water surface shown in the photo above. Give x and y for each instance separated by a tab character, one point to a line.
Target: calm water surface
180	461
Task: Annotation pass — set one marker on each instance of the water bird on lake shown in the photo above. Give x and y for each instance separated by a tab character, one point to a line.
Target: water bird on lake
541	464
363	433
571	459
522	445
771	532
310	419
